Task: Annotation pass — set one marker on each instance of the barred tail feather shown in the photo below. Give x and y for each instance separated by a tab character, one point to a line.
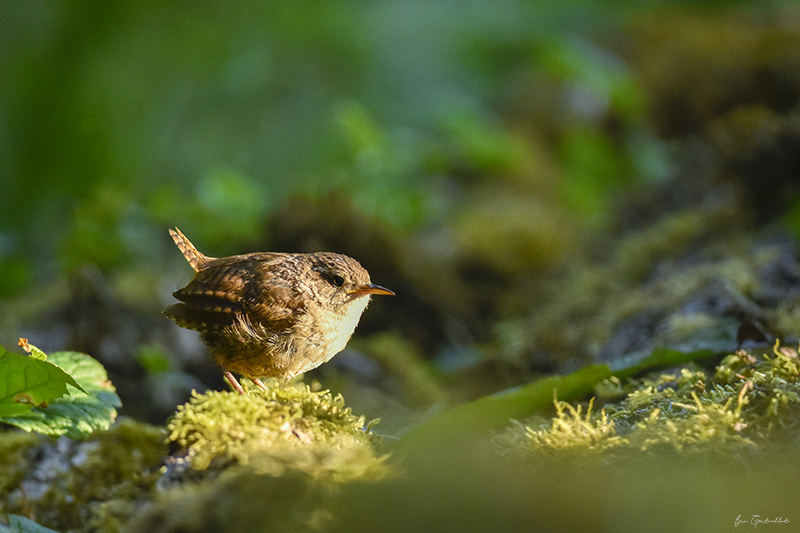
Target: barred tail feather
196	259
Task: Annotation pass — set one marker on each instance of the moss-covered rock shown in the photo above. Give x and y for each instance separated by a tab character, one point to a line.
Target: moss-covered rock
289	446
275	431
92	485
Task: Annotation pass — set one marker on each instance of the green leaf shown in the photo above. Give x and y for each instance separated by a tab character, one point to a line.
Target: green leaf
20	524
90	408
35	352
28	382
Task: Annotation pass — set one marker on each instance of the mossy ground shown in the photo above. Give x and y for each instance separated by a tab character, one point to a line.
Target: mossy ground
311	464
290	445
746	405
90	485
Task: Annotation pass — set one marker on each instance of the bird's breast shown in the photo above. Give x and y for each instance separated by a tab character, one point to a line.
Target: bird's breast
339	326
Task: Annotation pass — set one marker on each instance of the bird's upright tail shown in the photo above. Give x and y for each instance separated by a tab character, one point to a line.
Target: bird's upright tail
196	259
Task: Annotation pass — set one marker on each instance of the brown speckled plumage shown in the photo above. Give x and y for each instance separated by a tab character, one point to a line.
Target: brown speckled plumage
271	314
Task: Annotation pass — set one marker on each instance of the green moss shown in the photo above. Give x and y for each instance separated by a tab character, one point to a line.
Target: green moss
652	272
240	499
289	445
284	428
14	462
747	404
570	430
87	485
120	465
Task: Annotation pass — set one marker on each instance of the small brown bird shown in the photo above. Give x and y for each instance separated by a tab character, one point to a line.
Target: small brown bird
271	314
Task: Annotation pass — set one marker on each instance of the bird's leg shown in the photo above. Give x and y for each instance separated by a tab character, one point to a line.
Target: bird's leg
232	380
259	384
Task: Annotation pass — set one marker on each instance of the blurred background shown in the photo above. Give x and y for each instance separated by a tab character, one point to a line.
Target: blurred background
516	171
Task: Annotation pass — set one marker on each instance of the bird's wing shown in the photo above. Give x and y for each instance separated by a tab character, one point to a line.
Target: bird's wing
231	287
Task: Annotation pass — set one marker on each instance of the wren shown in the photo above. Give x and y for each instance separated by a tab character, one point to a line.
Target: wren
271	314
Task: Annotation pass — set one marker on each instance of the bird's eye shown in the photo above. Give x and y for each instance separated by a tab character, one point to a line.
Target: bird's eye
337	281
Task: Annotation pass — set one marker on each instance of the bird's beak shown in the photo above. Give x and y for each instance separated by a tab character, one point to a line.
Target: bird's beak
371	288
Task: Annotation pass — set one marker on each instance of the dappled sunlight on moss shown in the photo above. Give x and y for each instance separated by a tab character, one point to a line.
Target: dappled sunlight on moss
570	430
745	406
284	428
290	445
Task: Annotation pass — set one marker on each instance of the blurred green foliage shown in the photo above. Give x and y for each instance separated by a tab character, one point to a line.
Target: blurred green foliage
119	119
464	152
